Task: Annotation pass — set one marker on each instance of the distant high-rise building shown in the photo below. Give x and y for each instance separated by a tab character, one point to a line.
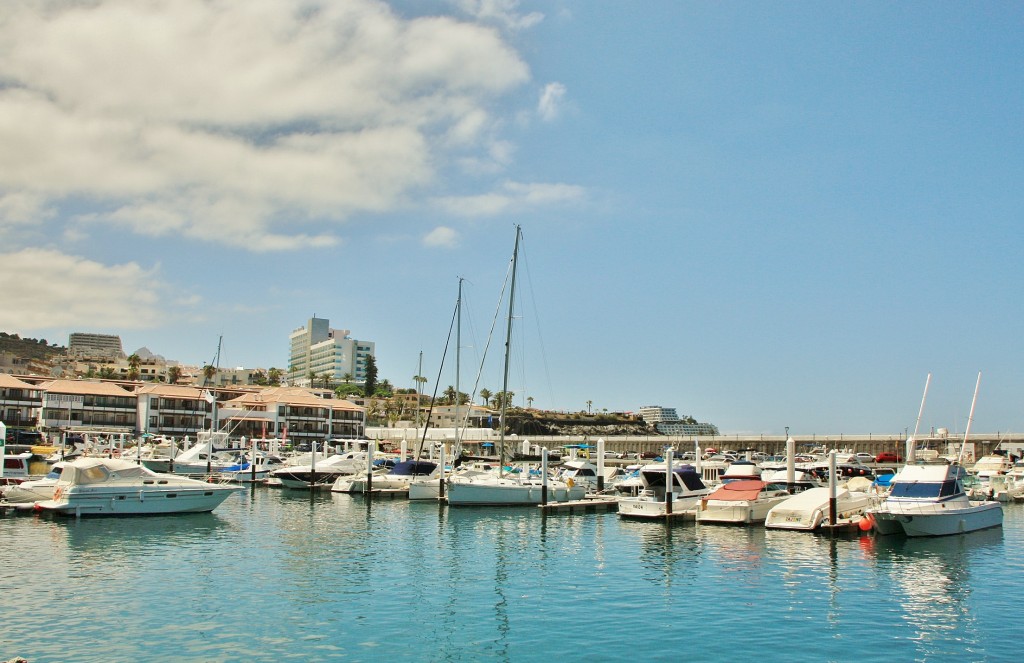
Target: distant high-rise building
95	345
667	422
319	350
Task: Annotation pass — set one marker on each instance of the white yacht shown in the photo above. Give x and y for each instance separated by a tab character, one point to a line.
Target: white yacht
929	500
397	478
742	502
509	489
113	487
686	490
33	490
428	488
319	472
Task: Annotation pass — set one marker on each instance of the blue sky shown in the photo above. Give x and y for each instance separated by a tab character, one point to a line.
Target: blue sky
762	214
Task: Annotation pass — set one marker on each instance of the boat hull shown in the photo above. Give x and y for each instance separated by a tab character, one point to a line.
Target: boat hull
134	502
508	493
934	521
642	508
737	513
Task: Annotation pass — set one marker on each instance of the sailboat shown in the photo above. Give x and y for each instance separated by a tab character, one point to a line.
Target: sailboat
507	488
928	499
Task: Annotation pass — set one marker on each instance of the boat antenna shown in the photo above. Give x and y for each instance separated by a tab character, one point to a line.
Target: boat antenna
970	418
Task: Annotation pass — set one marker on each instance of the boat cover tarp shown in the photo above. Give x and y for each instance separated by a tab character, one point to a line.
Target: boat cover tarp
738	491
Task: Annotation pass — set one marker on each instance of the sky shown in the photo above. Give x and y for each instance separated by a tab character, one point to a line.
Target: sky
765	215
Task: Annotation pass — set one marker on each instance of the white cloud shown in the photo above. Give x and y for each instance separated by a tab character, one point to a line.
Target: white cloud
511	197
441	237
550	104
503	12
59	290
257	124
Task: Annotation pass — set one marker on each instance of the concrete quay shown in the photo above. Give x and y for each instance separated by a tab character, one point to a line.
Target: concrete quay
984	443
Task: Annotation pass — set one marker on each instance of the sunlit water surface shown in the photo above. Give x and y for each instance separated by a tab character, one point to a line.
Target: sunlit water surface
282	575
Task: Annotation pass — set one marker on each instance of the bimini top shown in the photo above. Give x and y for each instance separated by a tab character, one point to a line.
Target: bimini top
99	470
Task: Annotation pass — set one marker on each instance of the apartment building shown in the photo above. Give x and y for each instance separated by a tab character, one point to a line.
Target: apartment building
294	412
19	402
320	350
87	405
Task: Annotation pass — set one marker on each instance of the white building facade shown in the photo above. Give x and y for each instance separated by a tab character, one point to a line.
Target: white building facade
323	351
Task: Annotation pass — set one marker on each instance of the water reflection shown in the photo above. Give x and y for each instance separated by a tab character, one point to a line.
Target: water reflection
932	580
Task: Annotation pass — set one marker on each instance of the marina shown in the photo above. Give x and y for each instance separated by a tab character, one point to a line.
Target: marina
309	575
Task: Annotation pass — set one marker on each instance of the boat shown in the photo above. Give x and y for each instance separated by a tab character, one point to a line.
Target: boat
657	501
745	502
508	488
33	490
114	487
929	500
207	456
809	510
585	473
429	487
319	473
397	478
15	468
242	471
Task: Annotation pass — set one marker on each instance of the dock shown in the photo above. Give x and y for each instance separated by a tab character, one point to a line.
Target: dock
586	505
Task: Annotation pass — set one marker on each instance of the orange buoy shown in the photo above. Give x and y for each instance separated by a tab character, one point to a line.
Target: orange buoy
866	523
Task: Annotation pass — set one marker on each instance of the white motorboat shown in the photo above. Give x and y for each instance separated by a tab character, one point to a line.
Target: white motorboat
809	510
242	471
397	478
16	467
929	500
686	491
743	502
509	489
319	472
110	486
33	490
585	473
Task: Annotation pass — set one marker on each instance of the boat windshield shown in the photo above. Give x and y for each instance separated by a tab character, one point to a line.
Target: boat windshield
926	489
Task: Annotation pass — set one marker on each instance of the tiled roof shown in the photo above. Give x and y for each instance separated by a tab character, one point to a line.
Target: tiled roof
83	387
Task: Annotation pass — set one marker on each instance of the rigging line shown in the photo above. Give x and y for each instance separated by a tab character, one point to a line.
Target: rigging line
430	410
540	336
490	334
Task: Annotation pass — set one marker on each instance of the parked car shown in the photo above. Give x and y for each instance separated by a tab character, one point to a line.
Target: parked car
864	457
889	457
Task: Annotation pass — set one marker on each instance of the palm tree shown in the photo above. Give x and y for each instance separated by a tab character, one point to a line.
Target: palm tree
589	403
450	395
529	401
134	361
209	371
274	376
173	374
347	377
485	395
327	378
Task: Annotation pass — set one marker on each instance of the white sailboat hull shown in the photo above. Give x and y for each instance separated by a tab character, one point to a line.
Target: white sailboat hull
935	520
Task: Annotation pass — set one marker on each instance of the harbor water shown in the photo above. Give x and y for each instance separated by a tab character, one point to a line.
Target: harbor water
284	575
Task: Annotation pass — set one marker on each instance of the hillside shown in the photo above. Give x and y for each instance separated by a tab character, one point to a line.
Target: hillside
29	348
538	422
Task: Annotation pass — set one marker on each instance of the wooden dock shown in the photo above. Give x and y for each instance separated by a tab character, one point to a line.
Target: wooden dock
586	505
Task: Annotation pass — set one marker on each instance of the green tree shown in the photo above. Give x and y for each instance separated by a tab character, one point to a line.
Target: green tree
370	385
485	395
274	377
589	403
209	372
134	361
327	378
529	401
420	381
343	390
259	376
449	395
173	374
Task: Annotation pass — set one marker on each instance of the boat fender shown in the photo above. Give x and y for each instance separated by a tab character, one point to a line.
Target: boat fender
57	492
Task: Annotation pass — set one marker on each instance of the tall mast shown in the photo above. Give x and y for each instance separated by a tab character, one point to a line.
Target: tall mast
508	350
458	354
970	418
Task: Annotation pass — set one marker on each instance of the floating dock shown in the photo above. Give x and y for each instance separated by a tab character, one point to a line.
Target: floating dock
586	505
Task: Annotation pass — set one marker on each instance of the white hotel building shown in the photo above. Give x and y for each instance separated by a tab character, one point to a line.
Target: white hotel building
321	350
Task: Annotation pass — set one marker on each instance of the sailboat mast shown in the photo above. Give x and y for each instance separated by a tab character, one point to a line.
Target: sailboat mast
213	419
970	418
508	349
458	355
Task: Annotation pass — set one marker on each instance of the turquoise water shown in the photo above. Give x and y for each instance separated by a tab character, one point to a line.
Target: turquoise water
280	575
